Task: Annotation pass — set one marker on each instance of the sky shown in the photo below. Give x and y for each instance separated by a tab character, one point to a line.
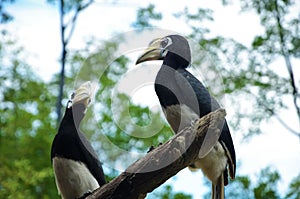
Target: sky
36	27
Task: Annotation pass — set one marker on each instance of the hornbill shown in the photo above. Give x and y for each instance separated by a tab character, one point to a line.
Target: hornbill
77	168
184	99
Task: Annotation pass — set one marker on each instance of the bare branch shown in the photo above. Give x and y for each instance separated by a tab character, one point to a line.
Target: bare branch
86	5
63	60
65	40
287	127
270	110
287	60
73	21
160	164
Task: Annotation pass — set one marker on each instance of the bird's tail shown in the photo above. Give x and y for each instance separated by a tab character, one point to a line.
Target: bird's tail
218	189
84	93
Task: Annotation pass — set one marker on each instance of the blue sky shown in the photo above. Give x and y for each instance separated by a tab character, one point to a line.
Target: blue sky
37	29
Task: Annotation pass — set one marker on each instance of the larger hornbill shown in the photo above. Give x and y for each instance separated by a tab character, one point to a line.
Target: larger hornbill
183	99
77	168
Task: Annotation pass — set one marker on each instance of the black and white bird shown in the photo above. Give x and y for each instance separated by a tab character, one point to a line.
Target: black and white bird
184	99
77	168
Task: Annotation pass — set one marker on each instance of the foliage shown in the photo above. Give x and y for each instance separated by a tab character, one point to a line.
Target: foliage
145	15
280	40
265	187
26	134
167	192
249	73
294	188
5	17
194	20
267	184
28	126
25	146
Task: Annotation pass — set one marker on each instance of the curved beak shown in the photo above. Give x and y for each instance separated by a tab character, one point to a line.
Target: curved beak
153	52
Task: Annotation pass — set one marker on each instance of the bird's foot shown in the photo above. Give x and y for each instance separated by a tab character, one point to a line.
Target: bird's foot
152	148
193	122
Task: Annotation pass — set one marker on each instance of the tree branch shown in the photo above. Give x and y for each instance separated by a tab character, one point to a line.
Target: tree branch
272	111
63	61
160	164
65	38
287	60
72	23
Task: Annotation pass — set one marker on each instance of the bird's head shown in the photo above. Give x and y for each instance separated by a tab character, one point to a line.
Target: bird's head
80	100
170	48
83	95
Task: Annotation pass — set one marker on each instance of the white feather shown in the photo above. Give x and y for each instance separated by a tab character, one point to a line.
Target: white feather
73	179
213	164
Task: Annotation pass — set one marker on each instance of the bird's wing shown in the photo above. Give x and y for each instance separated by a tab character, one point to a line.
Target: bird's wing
191	86
227	143
92	161
205	103
196	97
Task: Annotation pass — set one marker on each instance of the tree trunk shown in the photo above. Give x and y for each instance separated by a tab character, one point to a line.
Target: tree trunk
163	162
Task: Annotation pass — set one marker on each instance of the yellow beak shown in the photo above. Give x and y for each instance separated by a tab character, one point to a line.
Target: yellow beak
153	52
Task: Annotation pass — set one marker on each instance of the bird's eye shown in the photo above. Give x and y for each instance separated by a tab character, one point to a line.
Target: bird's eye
166	42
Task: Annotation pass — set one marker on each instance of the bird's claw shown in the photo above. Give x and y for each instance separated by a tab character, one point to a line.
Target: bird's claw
152	148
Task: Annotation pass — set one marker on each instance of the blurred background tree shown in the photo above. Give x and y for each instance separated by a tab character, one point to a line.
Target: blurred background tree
69	11
27	109
27	125
249	72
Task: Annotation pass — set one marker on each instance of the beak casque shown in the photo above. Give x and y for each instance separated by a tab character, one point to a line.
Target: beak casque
84	93
153	52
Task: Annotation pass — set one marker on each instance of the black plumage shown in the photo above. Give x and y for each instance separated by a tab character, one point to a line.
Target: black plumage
76	166
184	98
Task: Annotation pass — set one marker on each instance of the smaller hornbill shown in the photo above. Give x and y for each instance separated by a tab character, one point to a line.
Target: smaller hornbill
184	99
76	166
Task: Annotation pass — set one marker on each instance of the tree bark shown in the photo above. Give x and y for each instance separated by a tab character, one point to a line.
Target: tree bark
163	162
